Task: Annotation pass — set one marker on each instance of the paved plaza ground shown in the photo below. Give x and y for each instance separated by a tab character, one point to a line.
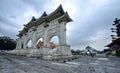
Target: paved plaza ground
85	64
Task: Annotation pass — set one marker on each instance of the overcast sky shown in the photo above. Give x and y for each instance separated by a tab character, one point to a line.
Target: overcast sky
92	19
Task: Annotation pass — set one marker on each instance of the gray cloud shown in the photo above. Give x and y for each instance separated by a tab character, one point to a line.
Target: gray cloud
100	19
37	4
91	24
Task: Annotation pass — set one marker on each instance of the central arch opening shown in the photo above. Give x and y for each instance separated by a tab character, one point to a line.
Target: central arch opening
54	41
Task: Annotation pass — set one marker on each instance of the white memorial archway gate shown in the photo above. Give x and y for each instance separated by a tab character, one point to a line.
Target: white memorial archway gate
45	27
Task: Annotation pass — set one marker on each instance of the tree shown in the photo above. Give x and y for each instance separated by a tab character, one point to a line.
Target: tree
116	29
117	53
75	52
115	45
6	43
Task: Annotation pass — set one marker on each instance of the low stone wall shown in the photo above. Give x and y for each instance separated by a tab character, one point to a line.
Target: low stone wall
65	58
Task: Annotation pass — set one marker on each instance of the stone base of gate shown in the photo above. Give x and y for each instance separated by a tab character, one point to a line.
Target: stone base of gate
23	52
43	52
62	51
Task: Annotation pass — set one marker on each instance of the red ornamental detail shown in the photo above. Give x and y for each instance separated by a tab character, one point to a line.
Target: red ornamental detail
52	45
40	44
115	48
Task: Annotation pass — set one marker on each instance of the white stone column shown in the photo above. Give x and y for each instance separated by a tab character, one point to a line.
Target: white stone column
63	33
45	37
24	42
17	45
33	40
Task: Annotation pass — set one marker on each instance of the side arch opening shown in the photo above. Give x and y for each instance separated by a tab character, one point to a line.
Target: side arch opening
22	45
40	42
29	44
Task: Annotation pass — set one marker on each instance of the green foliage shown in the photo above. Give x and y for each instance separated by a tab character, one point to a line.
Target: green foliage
75	52
6	43
118	53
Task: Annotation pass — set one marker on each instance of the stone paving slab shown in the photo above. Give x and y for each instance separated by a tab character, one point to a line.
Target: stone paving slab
85	64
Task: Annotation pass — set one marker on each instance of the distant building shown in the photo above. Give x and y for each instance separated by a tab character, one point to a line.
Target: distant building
114	45
89	50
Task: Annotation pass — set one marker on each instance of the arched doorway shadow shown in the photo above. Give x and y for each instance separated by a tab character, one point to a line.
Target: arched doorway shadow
22	46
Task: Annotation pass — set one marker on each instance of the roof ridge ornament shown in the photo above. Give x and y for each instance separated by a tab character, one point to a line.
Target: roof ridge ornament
60	8
33	18
44	14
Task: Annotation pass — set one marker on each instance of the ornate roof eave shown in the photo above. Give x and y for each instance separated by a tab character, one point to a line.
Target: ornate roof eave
114	42
65	17
18	35
30	23
40	21
52	17
23	31
59	9
57	13
47	18
44	14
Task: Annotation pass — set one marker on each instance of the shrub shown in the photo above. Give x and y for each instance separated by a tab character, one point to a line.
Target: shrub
118	53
